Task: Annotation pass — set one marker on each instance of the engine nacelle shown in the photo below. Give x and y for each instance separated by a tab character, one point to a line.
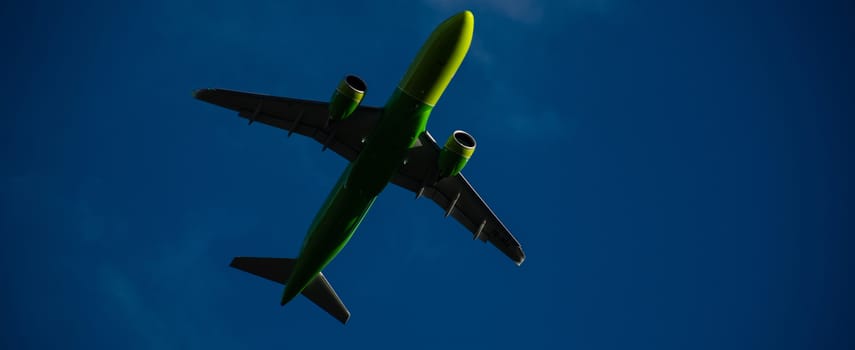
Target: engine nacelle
346	97
456	152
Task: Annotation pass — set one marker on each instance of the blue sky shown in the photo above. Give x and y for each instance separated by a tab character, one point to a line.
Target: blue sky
679	174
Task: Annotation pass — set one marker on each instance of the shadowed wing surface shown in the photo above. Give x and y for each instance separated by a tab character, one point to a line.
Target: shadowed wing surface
420	174
305	117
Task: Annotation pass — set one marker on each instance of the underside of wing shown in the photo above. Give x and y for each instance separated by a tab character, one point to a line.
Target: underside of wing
305	117
456	196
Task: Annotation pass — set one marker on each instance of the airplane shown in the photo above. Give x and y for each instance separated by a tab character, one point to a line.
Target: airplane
383	145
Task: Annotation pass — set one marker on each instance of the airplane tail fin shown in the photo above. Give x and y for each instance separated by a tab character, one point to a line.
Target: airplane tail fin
319	291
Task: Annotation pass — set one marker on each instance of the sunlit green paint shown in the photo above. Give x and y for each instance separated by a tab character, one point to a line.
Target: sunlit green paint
429	74
404	118
462	150
454	156
346	97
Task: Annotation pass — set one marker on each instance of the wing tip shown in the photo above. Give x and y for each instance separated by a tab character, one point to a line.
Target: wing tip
343	318
199	94
520	257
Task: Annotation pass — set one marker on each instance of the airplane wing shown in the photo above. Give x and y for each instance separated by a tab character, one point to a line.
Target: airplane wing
456	196
304	117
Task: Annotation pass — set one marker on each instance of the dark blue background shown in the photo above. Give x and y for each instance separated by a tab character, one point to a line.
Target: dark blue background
679	174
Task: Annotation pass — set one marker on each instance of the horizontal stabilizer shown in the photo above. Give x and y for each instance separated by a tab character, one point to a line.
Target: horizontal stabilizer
274	269
319	291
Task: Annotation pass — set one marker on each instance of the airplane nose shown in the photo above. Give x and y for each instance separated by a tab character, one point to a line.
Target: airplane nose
462	20
439	58
462	24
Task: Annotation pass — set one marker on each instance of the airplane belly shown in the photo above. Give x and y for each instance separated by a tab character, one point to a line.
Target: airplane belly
358	187
331	229
404	119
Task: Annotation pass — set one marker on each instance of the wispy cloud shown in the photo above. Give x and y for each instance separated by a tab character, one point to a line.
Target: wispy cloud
157	295
513	110
518	10
125	299
179	273
525	118
525	11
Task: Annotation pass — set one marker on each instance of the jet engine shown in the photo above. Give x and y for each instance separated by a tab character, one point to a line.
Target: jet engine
346	97
456	152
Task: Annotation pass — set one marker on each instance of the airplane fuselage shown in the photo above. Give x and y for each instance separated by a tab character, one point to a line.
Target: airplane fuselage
404	118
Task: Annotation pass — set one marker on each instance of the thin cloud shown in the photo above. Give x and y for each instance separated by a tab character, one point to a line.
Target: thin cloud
525	11
526	119
125	299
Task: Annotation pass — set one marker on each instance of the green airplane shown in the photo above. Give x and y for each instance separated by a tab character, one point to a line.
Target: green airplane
383	145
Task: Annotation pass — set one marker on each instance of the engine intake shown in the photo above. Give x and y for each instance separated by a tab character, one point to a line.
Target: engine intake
456	152
346	97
